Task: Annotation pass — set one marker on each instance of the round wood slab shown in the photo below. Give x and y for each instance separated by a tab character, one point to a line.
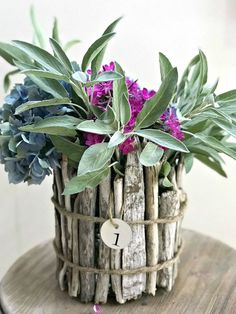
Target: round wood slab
206	284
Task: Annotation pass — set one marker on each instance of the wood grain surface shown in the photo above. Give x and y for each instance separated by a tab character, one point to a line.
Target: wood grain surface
206	284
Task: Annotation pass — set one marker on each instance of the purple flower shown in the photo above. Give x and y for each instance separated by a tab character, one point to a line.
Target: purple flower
171	123
92	138
127	146
97	309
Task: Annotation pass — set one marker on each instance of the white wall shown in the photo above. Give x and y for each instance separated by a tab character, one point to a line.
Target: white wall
177	28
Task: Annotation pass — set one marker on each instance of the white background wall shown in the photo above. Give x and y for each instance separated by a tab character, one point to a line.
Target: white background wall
177	28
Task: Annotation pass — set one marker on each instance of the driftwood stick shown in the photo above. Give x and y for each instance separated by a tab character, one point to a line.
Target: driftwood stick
134	208
59	184
102	285
87	205
152	241
67	198
116	254
75	285
169	206
183	200
57	226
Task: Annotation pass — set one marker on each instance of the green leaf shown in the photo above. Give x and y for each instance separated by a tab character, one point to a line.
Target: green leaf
166	182
44	103
80	77
165	66
55	30
60	54
108	116
7	81
226	97
120	102
88	180
50	86
228	107
72	150
43	57
163	139
37	29
60	125
4	139
116	139
97	127
203	69
71	43
212	164
185	75
45	74
229	127
94	50
97	61
108	76
125	110
156	105
201	149
150	155
215	144
166	168
11	53
188	162
95	158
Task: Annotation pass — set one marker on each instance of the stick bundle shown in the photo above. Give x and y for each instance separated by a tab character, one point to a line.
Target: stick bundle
136	196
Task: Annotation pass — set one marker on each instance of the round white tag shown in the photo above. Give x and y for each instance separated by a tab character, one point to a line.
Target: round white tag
117	237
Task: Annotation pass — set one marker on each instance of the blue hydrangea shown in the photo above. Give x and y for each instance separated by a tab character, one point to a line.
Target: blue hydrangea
27	156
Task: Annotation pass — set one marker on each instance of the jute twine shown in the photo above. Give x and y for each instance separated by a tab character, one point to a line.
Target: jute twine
144	269
94	219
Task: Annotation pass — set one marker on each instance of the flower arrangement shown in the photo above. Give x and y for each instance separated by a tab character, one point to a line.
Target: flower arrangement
95	116
84	111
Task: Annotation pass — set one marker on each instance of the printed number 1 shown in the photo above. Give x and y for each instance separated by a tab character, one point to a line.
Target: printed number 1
117	239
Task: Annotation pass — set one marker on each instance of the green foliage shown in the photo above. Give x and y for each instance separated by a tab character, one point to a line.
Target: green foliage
165	66
163	139
44	103
97	61
7	80
94	50
156	105
87	180
61	125
150	155
95	158
74	151
120	103
97	126
38	33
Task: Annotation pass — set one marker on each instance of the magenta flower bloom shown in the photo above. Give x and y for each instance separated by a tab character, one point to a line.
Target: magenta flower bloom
92	138
127	146
97	309
171	123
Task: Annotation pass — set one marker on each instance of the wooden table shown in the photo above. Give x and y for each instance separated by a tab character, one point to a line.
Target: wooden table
206	284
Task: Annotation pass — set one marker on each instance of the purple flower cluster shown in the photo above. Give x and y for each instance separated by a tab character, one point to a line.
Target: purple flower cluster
101	96
171	123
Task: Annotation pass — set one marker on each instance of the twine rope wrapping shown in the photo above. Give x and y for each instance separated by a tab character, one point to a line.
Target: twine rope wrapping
144	269
94	219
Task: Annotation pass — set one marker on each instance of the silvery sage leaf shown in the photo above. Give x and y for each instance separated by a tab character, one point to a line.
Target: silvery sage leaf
95	157
150	155
155	106
87	180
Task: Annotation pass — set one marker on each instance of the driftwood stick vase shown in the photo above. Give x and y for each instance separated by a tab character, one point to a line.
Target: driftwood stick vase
93	272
